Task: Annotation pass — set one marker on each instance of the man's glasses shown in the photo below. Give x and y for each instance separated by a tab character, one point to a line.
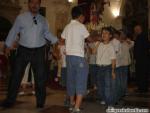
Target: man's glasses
34	20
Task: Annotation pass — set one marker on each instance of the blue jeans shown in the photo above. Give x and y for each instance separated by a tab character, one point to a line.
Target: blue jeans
123	79
106	85
118	84
77	75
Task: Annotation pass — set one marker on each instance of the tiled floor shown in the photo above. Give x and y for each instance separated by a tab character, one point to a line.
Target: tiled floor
54	103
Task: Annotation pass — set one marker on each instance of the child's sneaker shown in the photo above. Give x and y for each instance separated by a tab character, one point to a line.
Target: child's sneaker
33	92
71	107
102	103
22	93
76	110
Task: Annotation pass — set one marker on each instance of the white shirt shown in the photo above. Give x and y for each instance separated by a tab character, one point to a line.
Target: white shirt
116	44
75	34
124	54
105	54
63	55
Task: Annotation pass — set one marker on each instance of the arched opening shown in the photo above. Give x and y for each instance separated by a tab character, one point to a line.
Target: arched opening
5	26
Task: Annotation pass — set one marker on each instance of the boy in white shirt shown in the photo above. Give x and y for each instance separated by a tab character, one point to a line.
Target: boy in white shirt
125	60
106	61
75	34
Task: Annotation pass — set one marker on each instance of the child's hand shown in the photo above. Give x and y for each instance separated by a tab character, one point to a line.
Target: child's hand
7	52
128	41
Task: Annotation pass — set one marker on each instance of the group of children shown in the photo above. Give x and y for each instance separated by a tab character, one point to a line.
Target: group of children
108	56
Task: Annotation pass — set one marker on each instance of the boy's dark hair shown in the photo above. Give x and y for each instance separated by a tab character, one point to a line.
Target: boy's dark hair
30	1
117	32
76	12
109	29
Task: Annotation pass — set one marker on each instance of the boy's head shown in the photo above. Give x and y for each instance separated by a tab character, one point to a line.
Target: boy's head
77	13
107	33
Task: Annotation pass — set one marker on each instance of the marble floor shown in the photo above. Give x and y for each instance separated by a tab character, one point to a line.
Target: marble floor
55	98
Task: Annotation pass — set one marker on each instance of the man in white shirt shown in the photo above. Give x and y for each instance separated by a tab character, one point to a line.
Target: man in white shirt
75	34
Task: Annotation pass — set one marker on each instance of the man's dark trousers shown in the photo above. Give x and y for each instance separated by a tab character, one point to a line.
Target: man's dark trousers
36	56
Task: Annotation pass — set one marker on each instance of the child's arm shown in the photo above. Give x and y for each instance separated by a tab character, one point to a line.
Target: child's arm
130	43
94	50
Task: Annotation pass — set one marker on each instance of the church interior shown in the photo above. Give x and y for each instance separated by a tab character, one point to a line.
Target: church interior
119	14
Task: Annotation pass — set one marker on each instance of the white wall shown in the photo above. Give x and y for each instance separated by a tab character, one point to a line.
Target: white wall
108	16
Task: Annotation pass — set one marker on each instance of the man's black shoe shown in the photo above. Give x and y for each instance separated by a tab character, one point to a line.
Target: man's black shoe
40	108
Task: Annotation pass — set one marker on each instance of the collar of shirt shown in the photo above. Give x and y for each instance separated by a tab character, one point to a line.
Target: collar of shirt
36	16
73	21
